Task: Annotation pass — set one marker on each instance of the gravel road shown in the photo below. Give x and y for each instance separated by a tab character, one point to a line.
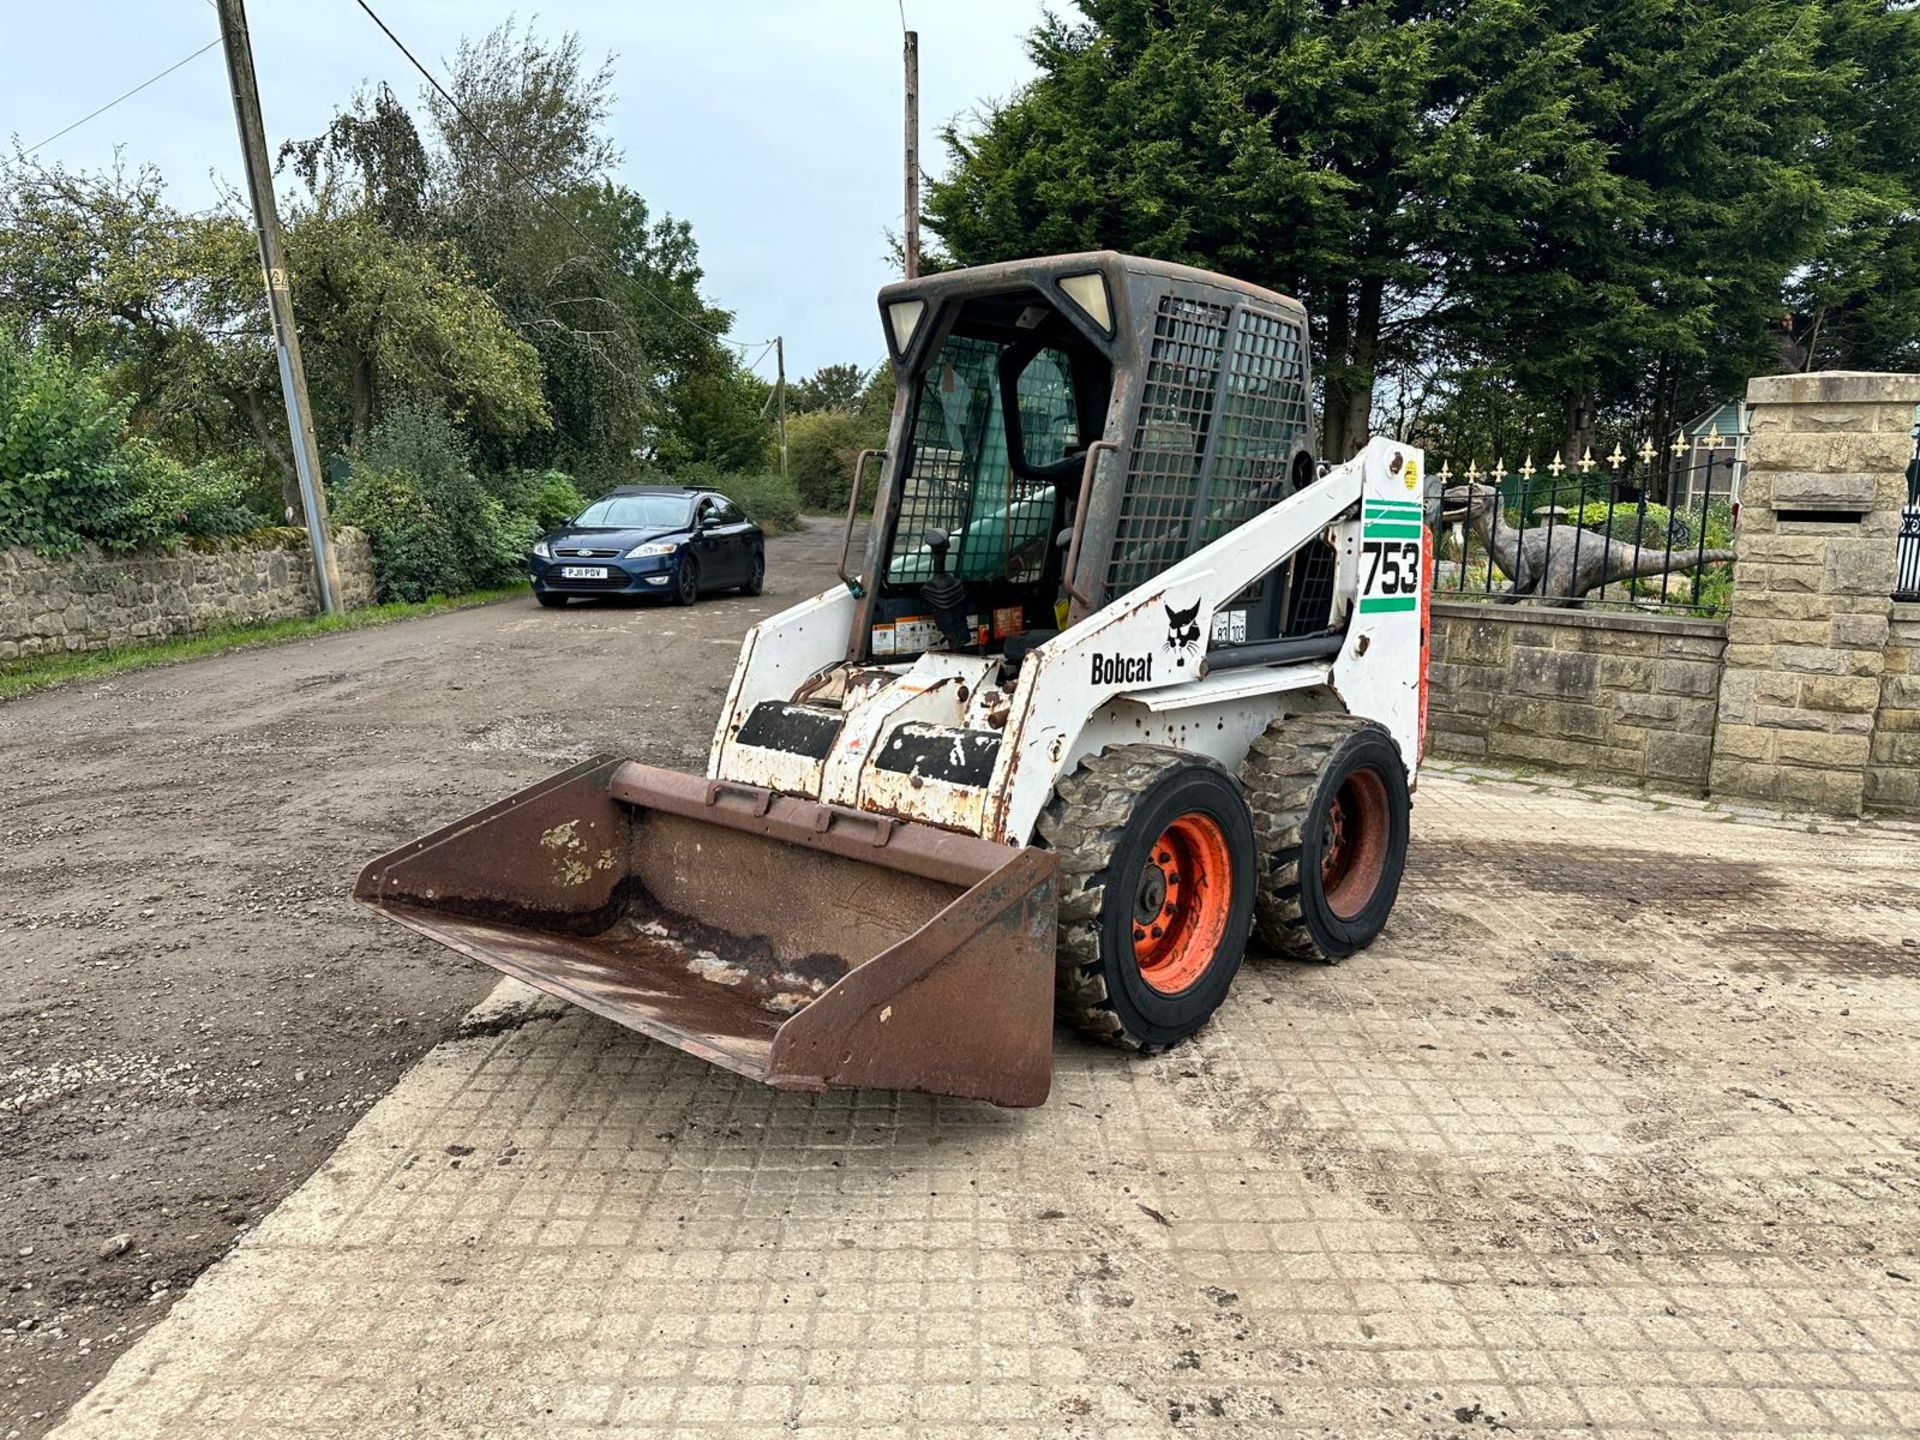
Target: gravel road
192	1011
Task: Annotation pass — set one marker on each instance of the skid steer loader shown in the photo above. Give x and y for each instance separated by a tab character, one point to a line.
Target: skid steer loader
1125	677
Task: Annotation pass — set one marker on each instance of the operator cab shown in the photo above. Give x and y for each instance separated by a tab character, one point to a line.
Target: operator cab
999	420
1195	392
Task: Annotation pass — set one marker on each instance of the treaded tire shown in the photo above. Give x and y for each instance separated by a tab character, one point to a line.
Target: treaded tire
686	581
1291	775
1104	822
757	576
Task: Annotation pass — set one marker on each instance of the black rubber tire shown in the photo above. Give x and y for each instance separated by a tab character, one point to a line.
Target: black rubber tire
686	585
1102	822
1291	776
757	576
550	602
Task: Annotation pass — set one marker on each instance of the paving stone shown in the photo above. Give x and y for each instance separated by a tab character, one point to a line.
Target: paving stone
1611	1134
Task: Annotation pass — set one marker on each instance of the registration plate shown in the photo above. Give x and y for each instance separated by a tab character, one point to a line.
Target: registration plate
583	572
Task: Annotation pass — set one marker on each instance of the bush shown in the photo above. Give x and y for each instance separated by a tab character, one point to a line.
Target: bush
65	471
547	499
69	473
772	502
822	446
434	527
170	501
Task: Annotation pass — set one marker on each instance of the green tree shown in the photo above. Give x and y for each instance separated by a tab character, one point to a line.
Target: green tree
717	417
831	387
1648	281
1859	299
1321	149
607	293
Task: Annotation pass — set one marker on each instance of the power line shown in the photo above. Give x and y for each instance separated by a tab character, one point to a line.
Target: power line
538	193
95	114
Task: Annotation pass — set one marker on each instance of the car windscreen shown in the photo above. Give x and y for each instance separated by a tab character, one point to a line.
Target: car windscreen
635	512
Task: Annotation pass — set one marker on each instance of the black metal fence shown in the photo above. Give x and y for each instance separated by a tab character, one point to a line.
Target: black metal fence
1906	585
1591	534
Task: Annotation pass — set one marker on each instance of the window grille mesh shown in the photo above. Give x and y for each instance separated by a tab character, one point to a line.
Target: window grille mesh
1262	412
1176	412
1251	420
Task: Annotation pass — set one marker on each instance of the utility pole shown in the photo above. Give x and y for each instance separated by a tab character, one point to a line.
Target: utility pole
273	262
780	367
913	154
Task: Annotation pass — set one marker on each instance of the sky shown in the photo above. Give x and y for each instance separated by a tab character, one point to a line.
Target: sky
774	126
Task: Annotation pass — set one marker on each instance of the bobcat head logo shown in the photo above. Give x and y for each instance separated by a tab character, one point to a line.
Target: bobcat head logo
1183	628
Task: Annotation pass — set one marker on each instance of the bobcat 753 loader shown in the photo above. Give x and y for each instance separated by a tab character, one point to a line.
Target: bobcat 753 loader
1119	682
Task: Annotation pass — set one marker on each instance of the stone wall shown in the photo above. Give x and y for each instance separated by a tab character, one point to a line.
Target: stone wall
1631	697
1893	765
91	600
1808	643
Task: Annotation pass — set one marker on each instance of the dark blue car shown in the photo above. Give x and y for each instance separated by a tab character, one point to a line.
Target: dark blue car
651	540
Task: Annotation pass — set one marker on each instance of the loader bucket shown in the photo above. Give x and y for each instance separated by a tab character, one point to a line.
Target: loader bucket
800	944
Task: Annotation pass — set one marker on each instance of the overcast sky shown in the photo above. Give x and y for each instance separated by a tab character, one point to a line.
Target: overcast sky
772	125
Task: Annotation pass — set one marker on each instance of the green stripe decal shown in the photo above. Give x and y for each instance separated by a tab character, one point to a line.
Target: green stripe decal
1393	504
1382	530
1387	604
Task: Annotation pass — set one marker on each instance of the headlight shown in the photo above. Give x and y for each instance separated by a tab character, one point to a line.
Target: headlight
641	552
540	549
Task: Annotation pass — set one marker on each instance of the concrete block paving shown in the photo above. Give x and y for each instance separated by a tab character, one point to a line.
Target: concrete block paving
1614	1133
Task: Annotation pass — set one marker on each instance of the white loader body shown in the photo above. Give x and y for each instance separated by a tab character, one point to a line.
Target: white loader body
1127	673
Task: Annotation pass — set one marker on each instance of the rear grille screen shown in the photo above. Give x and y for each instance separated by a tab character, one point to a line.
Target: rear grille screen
1224	401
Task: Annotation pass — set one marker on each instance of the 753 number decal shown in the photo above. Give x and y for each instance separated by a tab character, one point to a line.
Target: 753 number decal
1393	567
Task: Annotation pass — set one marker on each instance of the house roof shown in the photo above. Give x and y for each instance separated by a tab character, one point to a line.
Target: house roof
1729	417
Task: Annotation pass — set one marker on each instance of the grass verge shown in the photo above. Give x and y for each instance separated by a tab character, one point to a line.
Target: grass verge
21	677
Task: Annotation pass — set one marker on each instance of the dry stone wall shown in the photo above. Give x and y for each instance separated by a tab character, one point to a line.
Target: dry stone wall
91	600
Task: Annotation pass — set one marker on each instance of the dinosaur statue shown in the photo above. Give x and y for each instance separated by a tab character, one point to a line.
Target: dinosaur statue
1560	564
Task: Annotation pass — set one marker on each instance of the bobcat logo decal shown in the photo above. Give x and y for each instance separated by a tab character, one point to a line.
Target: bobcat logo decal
1183	630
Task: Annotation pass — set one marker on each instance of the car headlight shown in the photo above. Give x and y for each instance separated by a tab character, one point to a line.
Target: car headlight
540	549
641	552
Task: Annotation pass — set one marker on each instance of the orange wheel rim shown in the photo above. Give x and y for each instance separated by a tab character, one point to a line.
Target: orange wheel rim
1355	857
1180	912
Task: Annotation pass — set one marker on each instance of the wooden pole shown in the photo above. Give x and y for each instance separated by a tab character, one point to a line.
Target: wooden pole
780	366
273	263
913	154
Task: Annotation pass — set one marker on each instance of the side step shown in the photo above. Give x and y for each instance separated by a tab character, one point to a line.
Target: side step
937	774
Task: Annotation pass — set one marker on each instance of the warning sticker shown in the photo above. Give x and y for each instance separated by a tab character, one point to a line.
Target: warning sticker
1008	620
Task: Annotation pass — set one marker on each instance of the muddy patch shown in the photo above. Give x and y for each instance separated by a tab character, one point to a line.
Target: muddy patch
1619	882
1789	951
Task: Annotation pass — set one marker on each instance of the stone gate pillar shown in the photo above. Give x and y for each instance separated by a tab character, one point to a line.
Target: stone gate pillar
1813	580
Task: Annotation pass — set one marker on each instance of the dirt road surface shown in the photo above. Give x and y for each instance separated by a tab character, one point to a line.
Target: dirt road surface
192	1011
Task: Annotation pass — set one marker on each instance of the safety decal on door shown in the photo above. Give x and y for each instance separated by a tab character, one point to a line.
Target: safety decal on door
1391	533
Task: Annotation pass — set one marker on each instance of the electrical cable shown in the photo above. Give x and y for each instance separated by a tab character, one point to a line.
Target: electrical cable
95	114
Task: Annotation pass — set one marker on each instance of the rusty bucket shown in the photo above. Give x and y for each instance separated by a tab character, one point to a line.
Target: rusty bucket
800	944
